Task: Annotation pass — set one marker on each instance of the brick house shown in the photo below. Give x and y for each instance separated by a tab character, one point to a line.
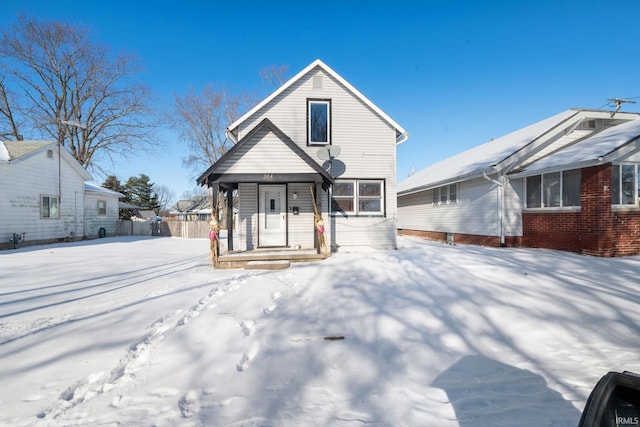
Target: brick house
569	182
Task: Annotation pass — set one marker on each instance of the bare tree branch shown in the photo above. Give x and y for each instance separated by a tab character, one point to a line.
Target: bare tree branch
201	120
63	76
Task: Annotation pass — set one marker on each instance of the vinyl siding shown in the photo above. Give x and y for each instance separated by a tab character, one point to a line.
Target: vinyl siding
264	153
24	181
476	212
93	222
368	151
248	216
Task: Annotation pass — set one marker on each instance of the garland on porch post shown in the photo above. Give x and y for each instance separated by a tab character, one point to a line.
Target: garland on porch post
319	223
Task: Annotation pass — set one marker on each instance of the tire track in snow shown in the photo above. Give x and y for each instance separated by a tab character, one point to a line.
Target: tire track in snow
137	356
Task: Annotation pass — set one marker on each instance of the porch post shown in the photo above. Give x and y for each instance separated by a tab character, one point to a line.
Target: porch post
230	219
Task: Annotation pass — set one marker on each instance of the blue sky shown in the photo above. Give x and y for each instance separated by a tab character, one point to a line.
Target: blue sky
453	73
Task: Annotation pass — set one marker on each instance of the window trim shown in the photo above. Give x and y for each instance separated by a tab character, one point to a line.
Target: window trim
326	102
636	184
104	212
49	205
356	198
437	195
561	195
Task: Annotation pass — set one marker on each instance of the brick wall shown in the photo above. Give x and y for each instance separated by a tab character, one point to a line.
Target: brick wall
596	229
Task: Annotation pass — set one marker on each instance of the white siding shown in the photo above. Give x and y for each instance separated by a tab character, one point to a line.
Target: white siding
368	150
247	228
476	212
265	153
93	222
23	183
301	226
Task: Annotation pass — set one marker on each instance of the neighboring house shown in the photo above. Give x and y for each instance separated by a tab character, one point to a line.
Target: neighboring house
100	211
314	133
569	182
196	209
43	197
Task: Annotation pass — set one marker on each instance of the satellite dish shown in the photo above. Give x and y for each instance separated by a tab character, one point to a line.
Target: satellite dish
323	153
328	153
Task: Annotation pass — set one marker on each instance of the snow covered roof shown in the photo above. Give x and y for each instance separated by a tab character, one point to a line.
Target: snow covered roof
473	162
616	142
20	150
95	188
11	150
318	63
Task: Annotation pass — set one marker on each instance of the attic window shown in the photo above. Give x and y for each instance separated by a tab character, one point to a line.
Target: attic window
318	121
50	154
591	124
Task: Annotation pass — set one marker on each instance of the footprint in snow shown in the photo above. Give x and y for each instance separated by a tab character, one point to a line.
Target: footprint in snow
248	327
247	357
190	404
274	297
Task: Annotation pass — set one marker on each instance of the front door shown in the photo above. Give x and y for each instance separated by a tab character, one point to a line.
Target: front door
272	216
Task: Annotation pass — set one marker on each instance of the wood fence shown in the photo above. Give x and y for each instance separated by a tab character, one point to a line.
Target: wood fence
186	229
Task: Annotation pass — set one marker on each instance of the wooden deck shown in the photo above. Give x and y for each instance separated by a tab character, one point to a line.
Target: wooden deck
267	259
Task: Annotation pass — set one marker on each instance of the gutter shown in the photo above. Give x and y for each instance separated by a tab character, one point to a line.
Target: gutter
501	200
230	136
402	138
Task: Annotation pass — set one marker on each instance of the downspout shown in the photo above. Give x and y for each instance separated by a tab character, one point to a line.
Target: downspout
501	199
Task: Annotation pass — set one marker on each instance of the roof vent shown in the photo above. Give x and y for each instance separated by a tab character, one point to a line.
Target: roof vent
317	82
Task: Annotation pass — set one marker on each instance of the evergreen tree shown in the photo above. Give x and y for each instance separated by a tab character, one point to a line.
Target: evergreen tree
139	192
113	183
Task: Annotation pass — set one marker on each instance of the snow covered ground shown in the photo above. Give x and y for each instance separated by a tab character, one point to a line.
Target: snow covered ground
142	331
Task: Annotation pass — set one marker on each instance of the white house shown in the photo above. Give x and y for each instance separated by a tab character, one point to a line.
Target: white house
43	197
315	136
568	182
100	211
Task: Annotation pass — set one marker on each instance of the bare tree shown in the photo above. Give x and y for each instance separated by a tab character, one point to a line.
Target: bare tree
166	198
8	125
74	90
273	75
201	120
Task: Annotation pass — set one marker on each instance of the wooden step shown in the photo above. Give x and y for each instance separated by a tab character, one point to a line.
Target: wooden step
267	265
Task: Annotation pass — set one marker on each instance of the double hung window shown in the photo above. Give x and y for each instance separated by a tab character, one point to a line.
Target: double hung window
49	207
358	197
445	194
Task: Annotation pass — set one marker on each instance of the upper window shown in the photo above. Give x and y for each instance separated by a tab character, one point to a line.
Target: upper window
358	197
445	194
319	121
625	185
102	207
49	207
554	190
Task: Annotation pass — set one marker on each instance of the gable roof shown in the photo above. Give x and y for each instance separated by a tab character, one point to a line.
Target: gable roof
402	134
473	162
609	145
510	151
16	151
267	125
